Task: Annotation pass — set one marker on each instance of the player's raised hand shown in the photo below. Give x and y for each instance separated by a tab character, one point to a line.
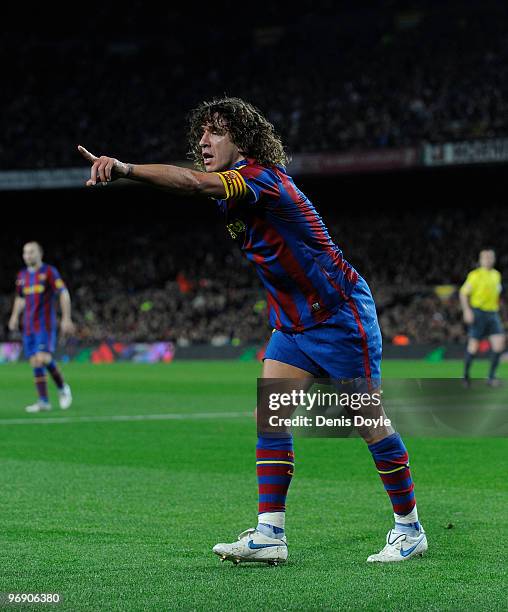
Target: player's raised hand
104	169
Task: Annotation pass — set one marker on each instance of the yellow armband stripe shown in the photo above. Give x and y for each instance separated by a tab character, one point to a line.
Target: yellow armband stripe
234	184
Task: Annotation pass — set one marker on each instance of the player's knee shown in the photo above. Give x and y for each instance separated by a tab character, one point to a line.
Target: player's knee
498	343
41	359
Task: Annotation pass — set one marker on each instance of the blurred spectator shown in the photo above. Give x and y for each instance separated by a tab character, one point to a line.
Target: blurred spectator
157	292
346	79
331	76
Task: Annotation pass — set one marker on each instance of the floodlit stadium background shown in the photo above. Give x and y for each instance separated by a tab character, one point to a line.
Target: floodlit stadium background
397	123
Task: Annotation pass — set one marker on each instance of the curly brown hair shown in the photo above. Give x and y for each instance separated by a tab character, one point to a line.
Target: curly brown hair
252	133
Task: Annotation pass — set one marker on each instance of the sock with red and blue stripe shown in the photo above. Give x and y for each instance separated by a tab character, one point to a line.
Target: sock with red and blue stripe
274	465
41	384
56	375
392	463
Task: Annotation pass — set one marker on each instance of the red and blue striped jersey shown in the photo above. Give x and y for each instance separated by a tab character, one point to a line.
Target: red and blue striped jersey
39	289
281	233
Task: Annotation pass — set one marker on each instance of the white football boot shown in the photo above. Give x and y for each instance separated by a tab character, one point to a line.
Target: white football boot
65	397
400	547
38	407
254	546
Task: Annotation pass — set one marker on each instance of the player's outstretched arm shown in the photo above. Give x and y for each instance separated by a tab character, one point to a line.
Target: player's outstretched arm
181	180
17	309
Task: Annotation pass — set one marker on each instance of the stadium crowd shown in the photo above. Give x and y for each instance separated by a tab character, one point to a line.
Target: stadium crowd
365	79
346	77
151	290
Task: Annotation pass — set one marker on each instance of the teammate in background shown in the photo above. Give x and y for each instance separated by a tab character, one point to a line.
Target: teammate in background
479	298
37	286
321	308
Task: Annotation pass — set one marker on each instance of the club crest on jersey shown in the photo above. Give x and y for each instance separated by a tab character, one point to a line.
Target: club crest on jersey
33	289
236	227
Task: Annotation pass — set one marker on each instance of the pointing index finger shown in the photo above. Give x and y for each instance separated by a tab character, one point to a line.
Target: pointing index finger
86	154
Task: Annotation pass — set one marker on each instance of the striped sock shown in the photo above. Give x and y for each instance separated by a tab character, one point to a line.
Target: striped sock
392	463
41	384
56	375
274	466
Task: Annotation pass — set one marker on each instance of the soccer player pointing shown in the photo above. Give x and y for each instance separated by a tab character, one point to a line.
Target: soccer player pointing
37	286
321	309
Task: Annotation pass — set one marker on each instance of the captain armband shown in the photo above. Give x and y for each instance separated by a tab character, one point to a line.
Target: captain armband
234	184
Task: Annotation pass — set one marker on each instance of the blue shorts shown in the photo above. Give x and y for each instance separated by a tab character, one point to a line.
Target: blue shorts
485	324
40	342
347	345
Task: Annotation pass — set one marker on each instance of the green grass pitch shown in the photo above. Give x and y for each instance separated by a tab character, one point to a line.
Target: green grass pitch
121	514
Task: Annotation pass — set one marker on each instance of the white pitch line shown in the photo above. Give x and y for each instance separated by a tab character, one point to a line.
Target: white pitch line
125	418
